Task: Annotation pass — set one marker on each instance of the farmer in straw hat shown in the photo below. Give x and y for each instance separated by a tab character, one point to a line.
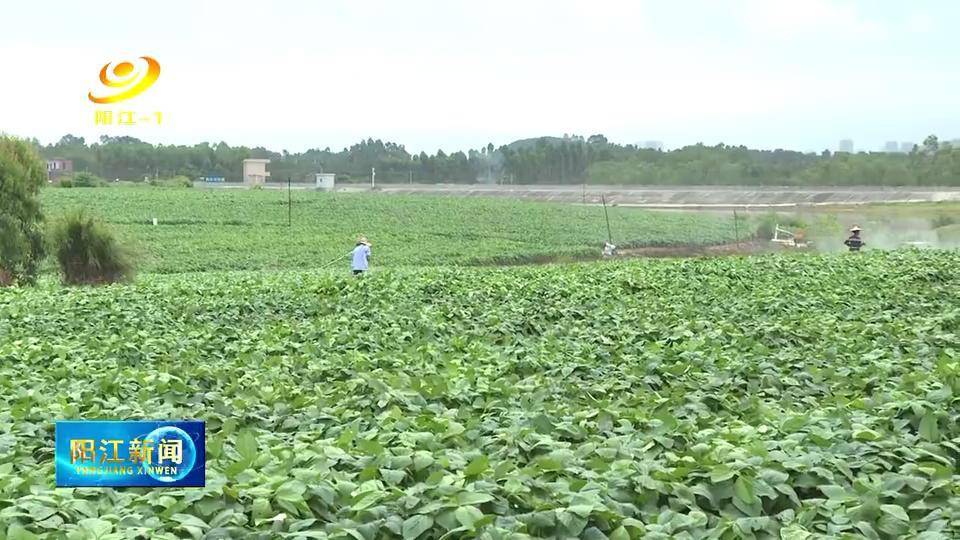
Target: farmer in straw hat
361	256
854	242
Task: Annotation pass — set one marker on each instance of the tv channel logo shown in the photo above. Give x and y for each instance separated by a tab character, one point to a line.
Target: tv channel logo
141	453
122	81
127	79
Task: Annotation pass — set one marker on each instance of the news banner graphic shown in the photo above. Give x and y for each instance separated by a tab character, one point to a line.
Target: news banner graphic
151	453
122	81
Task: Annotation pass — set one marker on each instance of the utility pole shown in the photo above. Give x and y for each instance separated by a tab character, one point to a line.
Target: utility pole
411	176
736	227
603	199
373	178
289	201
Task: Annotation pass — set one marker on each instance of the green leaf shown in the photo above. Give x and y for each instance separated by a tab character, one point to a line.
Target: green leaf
236	468
473	497
468	515
247	446
929	429
261	508
17	532
867	530
52	522
582	510
94	527
789	492
573	524
620	533
422	461
40	513
392	477
415	526
477	466
932	535
721	473
895	511
794	423
833	491
794	532
370	446
774	477
190	520
743	490
593	533
895	527
291	491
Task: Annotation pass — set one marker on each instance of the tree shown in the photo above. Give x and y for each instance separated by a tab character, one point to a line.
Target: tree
22	172
571	159
71	140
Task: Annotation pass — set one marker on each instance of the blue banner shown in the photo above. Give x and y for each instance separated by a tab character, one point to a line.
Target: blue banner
144	453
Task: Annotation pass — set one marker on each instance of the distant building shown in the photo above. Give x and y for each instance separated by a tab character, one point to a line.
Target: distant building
907	147
255	171
326	181
891	147
651	145
57	168
846	145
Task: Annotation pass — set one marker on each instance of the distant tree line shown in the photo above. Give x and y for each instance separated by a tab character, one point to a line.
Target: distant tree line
544	160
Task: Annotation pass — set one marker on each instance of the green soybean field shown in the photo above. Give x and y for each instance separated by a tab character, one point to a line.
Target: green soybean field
223	229
762	397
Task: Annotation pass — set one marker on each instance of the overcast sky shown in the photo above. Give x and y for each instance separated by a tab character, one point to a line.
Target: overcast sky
448	74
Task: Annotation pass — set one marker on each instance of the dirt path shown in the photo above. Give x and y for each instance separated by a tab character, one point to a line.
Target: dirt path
738	248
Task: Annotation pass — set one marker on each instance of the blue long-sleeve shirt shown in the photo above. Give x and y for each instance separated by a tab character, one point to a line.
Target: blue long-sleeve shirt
361	256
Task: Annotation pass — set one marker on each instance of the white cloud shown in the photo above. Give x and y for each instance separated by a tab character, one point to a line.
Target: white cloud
803	18
920	23
456	74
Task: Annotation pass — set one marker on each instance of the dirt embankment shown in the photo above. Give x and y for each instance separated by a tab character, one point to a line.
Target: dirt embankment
746	247
737	248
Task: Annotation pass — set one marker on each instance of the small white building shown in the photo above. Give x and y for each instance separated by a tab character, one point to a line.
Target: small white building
326	181
255	171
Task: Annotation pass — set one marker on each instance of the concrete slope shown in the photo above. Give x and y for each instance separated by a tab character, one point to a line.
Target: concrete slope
670	196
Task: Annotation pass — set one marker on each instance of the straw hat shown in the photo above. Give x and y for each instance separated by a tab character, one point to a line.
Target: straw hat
363	240
855	228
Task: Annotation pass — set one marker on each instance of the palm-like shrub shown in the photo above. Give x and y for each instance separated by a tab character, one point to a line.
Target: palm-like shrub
87	252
